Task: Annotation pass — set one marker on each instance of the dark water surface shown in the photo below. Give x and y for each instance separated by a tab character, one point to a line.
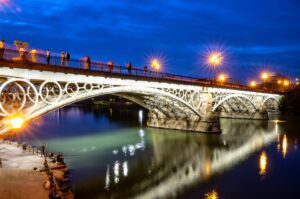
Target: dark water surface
112	155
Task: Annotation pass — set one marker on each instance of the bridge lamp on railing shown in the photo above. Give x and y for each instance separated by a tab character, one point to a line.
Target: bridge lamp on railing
222	78
286	83
253	84
264	76
17	121
279	82
215	59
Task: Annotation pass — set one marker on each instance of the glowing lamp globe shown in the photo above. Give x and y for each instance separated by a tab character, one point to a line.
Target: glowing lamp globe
155	64
17	122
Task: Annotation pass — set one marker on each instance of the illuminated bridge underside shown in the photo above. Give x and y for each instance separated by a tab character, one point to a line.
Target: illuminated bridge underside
33	93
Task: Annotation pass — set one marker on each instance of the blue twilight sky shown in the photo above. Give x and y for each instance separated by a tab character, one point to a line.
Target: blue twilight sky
254	34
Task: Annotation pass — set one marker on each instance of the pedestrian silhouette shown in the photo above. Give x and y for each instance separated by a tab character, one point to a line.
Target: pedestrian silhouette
88	61
48	55
110	66
67	58
62	56
129	67
145	70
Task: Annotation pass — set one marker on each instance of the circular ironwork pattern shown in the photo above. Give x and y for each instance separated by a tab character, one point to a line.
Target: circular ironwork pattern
71	89
50	92
14	94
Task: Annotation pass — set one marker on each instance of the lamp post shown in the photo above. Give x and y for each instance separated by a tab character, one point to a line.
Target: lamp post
155	64
215	59
264	77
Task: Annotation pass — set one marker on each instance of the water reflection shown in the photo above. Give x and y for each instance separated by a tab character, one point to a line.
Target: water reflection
212	195
141	162
263	162
284	145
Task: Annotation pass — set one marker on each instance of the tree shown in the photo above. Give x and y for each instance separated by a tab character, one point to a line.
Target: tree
21	44
291	101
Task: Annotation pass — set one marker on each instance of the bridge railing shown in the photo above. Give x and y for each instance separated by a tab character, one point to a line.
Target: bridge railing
39	58
83	64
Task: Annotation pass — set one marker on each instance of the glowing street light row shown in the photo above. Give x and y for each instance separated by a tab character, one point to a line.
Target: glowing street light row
265	76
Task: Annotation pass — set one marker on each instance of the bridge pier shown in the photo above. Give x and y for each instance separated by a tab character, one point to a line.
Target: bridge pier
208	124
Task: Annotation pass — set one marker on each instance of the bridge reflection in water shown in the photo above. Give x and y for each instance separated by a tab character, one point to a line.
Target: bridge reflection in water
147	162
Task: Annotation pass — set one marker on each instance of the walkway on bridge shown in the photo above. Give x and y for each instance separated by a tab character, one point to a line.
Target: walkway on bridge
39	60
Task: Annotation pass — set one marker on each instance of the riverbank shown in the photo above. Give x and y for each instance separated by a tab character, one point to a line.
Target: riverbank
19	173
26	173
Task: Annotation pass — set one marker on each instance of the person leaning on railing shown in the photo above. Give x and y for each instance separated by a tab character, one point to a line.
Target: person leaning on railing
145	70
2	46
129	67
23	54
48	56
110	66
88	62
63	58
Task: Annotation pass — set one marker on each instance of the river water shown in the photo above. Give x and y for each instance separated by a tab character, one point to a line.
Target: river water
112	154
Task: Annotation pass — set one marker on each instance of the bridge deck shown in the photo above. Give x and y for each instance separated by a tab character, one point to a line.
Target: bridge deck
13	59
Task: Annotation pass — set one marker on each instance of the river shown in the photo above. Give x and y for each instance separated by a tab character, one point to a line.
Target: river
112	154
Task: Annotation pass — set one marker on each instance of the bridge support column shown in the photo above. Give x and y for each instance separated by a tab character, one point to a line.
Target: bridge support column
209	125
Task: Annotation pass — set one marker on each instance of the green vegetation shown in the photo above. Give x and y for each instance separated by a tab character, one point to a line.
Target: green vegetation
291	101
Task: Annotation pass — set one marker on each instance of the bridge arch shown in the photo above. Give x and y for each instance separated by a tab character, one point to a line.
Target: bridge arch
271	103
216	106
66	99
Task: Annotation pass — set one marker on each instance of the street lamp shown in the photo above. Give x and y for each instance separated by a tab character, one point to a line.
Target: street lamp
155	64
215	59
264	77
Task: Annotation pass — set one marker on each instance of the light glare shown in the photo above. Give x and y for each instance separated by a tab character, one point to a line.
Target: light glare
215	59
17	122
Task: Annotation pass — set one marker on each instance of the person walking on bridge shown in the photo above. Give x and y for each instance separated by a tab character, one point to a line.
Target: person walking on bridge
48	55
145	70
2	46
88	61
67	58
129	67
62	57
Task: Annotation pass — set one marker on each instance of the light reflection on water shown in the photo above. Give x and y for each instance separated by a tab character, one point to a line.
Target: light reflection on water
110	158
263	163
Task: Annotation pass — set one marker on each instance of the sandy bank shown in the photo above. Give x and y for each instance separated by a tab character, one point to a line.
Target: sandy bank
17	177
